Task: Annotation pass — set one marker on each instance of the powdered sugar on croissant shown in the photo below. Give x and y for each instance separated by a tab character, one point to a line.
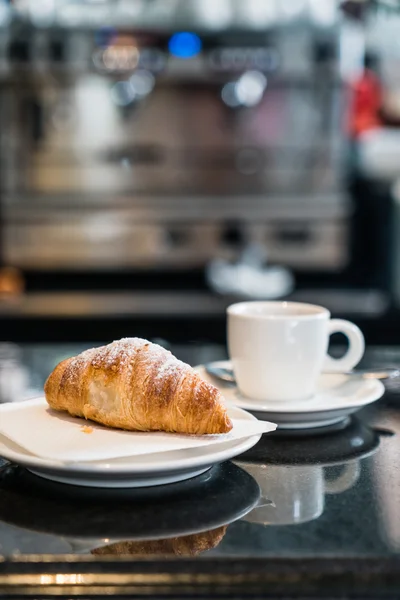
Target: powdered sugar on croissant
136	385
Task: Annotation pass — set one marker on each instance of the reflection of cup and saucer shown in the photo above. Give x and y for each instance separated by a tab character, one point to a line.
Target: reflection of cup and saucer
292	473
293	495
182	518
279	355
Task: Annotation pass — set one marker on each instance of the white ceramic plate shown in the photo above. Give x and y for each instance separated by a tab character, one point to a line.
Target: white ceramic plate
337	396
139	471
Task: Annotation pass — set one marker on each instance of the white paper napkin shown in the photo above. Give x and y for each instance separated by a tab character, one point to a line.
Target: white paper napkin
55	435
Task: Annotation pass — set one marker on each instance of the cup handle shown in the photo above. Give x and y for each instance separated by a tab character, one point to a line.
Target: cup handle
356	346
345	481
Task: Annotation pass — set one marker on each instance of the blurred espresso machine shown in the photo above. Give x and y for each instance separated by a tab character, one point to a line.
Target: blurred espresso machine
143	140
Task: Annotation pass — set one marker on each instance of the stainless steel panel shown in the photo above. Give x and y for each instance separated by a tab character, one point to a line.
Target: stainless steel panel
96	174
365	303
301	232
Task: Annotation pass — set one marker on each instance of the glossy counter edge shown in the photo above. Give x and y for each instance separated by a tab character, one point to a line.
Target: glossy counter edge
75	576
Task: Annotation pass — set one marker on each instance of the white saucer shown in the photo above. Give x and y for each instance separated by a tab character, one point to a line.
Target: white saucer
138	471
337	397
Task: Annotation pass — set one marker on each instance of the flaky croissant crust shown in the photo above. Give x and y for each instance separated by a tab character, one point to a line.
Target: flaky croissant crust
137	385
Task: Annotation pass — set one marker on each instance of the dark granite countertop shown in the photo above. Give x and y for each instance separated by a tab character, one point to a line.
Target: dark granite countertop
310	515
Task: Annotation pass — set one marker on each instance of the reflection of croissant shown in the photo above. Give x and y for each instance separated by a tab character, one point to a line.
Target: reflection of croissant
134	384
188	545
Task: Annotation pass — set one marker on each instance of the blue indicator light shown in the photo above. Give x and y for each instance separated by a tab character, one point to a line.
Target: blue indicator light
184	44
105	36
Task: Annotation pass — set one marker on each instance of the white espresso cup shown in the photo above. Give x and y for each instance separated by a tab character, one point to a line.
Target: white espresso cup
278	349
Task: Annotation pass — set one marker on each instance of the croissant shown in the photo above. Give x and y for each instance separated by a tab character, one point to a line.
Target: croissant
136	385
188	545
